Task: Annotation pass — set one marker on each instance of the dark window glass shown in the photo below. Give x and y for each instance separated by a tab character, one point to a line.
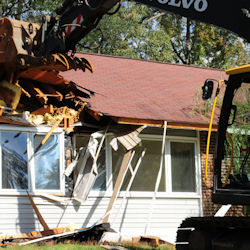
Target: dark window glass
183	167
14	160
146	175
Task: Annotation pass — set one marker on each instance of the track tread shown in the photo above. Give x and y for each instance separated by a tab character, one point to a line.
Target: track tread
208	224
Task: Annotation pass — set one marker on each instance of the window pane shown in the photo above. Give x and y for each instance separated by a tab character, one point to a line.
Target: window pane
145	178
47	163
100	182
183	167
14	160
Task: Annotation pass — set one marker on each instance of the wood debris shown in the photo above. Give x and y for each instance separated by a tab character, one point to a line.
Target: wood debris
152	241
93	234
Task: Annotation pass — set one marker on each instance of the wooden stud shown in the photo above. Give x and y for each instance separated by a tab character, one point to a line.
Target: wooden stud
36	92
41	95
23	90
70	95
51	131
53	92
51	109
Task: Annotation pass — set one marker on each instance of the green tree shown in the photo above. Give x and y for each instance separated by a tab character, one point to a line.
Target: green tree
126	34
142	32
202	44
31	10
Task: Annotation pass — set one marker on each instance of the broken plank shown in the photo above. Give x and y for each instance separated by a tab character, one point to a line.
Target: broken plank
49	134
82	235
39	216
42	111
119	180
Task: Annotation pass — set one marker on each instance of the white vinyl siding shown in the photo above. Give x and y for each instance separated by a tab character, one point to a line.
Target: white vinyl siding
130	219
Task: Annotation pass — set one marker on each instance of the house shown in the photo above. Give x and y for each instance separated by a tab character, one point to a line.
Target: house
142	101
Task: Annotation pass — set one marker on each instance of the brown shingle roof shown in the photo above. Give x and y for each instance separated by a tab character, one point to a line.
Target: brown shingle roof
140	89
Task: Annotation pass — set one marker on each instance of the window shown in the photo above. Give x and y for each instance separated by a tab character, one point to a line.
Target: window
14	160
47	163
183	166
28	165
179	170
81	142
147	173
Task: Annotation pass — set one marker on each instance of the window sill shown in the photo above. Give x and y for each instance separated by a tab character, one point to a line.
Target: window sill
7	192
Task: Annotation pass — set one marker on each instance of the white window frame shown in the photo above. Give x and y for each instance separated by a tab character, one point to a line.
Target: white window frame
169	167
31	131
168	177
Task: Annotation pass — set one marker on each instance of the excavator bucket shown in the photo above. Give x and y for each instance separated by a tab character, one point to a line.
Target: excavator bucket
17	38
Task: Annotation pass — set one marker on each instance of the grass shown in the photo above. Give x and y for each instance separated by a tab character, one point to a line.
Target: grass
56	247
147	247
86	247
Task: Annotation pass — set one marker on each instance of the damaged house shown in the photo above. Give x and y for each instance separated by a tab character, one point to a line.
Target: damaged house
123	145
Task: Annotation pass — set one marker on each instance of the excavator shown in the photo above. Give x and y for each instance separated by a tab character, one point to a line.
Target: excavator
50	45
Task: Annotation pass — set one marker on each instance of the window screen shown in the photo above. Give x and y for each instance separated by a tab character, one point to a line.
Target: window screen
145	178
183	167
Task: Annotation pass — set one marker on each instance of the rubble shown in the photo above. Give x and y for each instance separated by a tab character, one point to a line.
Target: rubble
58	235
93	234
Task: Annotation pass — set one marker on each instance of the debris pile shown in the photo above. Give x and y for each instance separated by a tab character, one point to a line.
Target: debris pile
57	235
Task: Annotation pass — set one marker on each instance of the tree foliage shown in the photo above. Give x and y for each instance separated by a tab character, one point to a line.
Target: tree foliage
126	34
202	44
31	10
169	38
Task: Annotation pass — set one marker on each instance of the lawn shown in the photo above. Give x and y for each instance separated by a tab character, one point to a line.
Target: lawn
86	247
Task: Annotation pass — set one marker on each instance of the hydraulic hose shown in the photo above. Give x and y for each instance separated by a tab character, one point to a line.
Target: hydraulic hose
210	129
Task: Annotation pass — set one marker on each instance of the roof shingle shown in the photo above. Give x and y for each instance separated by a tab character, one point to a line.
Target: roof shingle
140	89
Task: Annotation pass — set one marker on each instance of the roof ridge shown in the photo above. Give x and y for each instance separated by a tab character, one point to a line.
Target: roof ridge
150	61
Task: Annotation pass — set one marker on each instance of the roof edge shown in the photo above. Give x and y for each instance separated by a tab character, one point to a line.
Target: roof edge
150	61
160	123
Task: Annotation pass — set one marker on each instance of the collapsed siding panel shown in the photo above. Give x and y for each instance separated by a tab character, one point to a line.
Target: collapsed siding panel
129	218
